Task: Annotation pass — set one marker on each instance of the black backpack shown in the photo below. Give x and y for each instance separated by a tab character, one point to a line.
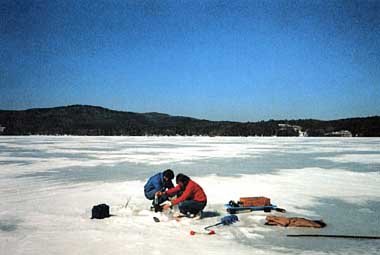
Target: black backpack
100	211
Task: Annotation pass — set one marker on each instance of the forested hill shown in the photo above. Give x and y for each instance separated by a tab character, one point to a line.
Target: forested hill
94	120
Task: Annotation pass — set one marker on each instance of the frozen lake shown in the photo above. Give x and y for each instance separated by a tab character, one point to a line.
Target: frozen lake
49	184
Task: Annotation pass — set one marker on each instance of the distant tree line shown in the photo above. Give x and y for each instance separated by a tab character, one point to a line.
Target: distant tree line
96	121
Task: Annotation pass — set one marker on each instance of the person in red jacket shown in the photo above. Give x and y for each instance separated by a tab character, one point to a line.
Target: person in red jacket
191	199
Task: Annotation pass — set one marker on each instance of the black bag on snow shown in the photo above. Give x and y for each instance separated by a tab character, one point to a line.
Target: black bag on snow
100	211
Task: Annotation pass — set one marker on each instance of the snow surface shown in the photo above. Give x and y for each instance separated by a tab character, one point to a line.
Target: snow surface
48	186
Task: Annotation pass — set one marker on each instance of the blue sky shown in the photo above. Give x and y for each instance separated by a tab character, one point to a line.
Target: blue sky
217	60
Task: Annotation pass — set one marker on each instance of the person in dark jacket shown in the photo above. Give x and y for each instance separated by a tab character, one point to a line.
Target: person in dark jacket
159	183
191	201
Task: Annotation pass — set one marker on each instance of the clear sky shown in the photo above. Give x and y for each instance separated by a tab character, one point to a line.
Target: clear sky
218	60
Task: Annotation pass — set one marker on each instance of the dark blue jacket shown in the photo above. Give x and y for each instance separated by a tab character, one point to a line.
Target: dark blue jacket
157	183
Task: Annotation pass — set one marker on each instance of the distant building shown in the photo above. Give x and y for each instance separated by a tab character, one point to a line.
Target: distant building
290	130
2	129
341	133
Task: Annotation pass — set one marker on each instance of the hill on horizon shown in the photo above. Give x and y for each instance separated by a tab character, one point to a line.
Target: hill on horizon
96	120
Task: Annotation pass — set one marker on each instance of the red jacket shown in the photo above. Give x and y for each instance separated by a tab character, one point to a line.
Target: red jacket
192	192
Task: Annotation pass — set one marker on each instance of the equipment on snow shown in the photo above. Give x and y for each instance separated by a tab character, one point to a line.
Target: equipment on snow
294	222
233	207
156	205
337	236
254	201
211	232
100	211
226	220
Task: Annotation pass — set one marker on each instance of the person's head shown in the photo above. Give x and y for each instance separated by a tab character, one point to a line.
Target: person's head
182	180
168	175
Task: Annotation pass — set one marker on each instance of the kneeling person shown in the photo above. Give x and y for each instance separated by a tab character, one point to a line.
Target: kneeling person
192	200
157	184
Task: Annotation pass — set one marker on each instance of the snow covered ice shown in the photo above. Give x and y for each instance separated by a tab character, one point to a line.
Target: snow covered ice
49	184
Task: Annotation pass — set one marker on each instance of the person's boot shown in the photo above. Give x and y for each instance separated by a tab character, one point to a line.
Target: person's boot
178	215
198	216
